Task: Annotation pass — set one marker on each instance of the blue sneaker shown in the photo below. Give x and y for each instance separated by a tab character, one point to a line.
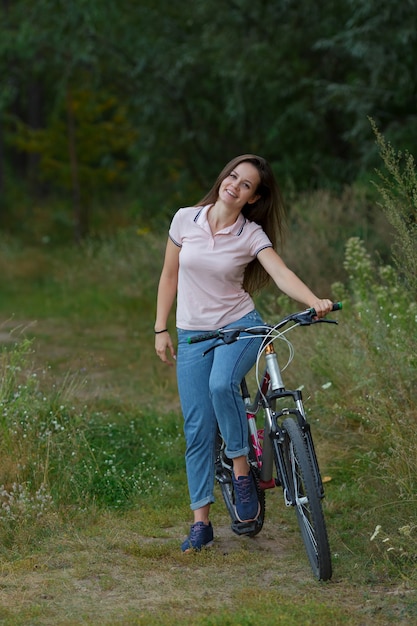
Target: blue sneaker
201	536
247	505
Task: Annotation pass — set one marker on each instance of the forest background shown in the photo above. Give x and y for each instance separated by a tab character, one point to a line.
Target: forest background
113	115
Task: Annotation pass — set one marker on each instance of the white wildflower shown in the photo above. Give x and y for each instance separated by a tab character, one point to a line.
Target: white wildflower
376	532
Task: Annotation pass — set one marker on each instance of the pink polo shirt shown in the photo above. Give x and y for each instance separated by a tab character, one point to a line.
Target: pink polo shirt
210	293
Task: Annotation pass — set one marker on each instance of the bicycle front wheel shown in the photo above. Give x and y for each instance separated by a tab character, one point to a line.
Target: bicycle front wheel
304	495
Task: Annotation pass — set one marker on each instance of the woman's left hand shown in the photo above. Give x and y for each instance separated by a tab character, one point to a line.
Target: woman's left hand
322	307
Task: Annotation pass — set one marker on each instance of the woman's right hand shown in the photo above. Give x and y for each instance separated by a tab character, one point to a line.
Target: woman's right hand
165	347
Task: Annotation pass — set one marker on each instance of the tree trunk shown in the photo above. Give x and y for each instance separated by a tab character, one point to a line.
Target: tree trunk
79	216
35	122
1	164
5	8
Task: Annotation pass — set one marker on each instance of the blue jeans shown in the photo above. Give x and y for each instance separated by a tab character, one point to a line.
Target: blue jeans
209	389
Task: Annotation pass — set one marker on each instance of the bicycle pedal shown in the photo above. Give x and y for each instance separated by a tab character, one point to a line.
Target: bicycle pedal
269	484
244	528
224	479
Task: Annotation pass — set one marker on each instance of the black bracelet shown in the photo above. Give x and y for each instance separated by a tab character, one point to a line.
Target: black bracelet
158	332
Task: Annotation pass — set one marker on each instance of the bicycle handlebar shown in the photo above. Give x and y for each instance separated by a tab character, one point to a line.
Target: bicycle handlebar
302	318
337	306
210	334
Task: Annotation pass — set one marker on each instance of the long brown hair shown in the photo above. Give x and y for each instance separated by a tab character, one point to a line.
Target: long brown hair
268	211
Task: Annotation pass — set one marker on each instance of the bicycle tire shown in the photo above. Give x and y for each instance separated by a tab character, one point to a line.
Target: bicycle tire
304	495
223	474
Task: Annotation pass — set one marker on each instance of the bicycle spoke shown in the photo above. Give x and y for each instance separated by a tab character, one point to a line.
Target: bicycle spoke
305	499
301	502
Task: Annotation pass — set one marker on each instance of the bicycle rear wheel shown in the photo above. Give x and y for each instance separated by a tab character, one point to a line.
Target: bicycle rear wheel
223	473
304	495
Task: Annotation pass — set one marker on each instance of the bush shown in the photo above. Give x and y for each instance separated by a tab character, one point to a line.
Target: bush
57	458
398	188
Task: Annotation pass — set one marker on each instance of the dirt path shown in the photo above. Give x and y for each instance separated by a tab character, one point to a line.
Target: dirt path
114	575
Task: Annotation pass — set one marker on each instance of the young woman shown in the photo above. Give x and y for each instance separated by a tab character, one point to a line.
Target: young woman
218	253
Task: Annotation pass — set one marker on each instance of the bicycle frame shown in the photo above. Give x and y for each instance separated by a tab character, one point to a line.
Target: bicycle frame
272	389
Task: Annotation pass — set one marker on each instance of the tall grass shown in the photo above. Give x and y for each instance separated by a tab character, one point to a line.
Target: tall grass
381	362
397	186
60	457
382	374
362	376
319	225
102	278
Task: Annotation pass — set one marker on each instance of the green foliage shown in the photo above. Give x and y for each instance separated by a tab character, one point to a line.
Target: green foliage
200	83
398	189
365	384
57	456
115	463
289	614
386	320
385	342
381	368
319	225
373	44
103	138
119	281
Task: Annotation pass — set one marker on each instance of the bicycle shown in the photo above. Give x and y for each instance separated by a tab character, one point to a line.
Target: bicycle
285	441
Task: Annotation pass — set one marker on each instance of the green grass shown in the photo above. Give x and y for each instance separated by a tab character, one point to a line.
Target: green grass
94	500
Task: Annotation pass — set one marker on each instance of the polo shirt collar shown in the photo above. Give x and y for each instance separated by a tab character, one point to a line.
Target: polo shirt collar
234	229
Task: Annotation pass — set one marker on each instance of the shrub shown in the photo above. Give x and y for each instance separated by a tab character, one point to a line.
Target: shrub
398	189
57	458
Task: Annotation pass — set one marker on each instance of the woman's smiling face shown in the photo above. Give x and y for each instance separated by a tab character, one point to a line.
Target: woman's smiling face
240	186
